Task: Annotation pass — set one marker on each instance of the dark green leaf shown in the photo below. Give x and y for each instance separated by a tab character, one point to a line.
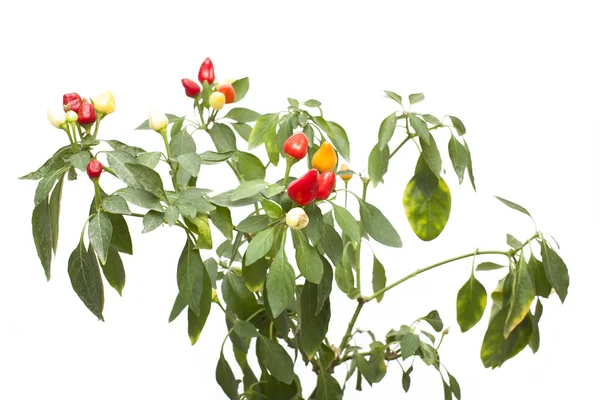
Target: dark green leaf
197	198
328	387
339	138
42	235
54	211
182	143
379	279
196	321
325	285
458	125
191	276
420	127
146	178
121	239
397	98
536	269
313	326
178	306
431	154
275	359
271	208
470	304
47	183
117	160
433	319
332	243
314	229
243	130
114	272
100	234
514	206
221	218
409	344
347	223
378	164
237	296
458	156
427	215
211	158
454	386
152	220
495	349
223	138
415	98
308	260
150	160
489	266
80	160
255	274
248	189
54	162
241	87
534	342
470	167
259	245
556	271
86	279
120	146
116	204
374	369
280	284
226	378
254	223
406	380
386	130
224	200
242	115
190	162
378	226
245	329
265	124
141	198
249	166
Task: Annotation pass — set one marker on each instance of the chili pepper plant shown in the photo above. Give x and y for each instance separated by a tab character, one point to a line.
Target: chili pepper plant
271	272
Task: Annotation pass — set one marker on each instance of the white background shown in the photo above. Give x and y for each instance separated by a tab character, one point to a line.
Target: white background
523	76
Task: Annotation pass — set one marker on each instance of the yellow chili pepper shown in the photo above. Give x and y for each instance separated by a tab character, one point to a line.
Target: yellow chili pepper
345	177
325	158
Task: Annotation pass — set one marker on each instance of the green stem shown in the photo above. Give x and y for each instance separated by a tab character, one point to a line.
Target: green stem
97	126
406	139
225	311
166	140
109	170
359	245
421	270
85	225
237	174
346	194
97	192
288	166
346	337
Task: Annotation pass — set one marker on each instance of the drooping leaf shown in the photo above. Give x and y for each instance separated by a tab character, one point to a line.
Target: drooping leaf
308	260
556	271
178	306
378	164
116	204
495	349
146	178
431	154
521	298
114	272
409	344
221	218
141	198
86	280
223	138
42	235
379	279
313	326
339	138
458	125
332	243
260	245
47	183
152	220
280	284
489	266
470	304
386	131
543	288
274	357
416	98
325	285
328	387
347	223
191	276
420	127
433	319
196	322
378	226
237	296
255	274
427	215
226	379
264	124
54	211
458	156
100	234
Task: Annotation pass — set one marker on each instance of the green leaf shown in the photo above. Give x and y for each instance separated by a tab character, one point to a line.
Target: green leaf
226	378
489	266
328	387
100	233
458	125
347	223
470	167
171	215
556	271
197	198
272	209
211	158
120	146
470	304
196	322
325	285
495	349
242	115
182	143
141	198
243	130
237	296
458	156
221	218
386	130
521	298
259	246
431	119
314	229
114	272
514	206
378	164
406	379
241	87
433	319
312	103
178	306
344	277
190	162
313	326
275	359
54	211
42	235
431	154
454	386
379	278
513	242
86	279
249	166
146	178
543	288
416	98
339	138
375	369
293	102
191	276
396	97
117	161
428	354
280	284
409	344
255	274
248	189
332	243
264	125
223	137
47	183
54	162
150	160
116	204
80	160
534	342
378	226
224	200
420	127
308	260
254	223
427	215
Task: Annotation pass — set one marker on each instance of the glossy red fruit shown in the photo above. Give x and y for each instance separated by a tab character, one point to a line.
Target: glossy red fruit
192	89
94	169
303	190
207	72
296	146
86	114
72	101
326	184
228	91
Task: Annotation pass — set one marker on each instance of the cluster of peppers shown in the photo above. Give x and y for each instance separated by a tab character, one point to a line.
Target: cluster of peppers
317	183
225	93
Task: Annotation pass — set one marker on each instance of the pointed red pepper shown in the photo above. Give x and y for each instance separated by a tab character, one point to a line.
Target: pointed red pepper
303	190
72	101
86	114
207	72
191	88
296	146
94	169
326	184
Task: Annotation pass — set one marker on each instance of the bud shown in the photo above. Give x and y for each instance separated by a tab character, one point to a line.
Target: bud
104	102
296	218
94	169
192	89
72	116
57	117
216	100
158	120
342	175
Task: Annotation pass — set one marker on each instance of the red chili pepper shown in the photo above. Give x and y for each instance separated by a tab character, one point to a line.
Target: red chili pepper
303	190
191	88
94	169
326	184
72	101
296	146
207	72
86	114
